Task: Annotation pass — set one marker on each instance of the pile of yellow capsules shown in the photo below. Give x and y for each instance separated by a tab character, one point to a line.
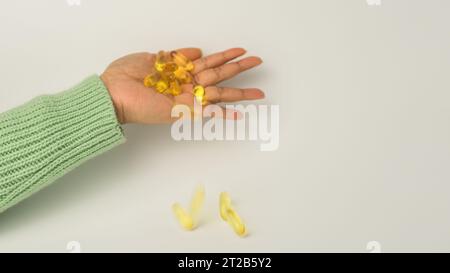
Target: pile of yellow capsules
189	219
173	69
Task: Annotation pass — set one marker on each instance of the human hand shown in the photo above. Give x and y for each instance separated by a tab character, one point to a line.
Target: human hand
135	103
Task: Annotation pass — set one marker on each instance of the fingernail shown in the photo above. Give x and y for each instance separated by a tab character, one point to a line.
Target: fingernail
243	50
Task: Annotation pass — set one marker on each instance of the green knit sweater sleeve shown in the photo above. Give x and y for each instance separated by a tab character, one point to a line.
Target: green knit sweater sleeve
47	137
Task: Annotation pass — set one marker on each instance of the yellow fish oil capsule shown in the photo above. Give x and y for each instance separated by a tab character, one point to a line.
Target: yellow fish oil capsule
170	67
235	221
197	202
189	219
161	61
228	214
174	88
224	203
181	60
151	80
168	76
199	93
183	217
161	86
182	75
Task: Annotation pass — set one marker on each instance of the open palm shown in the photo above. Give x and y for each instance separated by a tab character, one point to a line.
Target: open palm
135	103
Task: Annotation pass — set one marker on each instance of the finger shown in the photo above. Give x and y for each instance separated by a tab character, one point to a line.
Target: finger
225	113
217	94
185	99
215	75
217	59
191	53
187	88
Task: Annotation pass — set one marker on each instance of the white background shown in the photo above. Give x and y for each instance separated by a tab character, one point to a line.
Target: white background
364	127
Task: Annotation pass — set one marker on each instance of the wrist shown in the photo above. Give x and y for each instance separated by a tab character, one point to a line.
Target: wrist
118	106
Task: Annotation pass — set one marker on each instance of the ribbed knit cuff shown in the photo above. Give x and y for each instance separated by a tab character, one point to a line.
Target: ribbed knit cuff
51	135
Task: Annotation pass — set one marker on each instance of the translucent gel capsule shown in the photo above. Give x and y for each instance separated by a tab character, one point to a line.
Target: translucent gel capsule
181	60
170	67
197	202
182	75
159	63
161	86
183	217
186	79
189	219
235	222
168	76
174	88
224	203
151	80
228	214
161	60
199	93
